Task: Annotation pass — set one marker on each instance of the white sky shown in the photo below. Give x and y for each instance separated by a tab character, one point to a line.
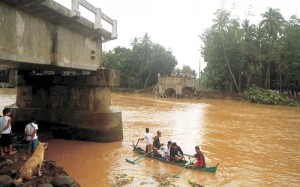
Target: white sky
177	24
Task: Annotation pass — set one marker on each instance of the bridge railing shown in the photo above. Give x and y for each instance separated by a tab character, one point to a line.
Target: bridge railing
99	15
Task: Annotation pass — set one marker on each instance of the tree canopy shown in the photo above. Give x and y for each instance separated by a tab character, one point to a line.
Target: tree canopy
140	65
240	54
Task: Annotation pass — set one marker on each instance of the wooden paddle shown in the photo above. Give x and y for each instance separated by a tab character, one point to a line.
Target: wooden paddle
133	161
134	146
187	164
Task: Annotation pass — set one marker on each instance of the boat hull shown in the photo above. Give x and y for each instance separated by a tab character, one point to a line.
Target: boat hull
210	169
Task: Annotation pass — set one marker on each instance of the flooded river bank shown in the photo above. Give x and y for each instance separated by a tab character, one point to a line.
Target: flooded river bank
256	145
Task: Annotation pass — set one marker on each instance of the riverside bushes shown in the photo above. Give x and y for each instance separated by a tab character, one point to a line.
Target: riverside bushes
6	85
267	96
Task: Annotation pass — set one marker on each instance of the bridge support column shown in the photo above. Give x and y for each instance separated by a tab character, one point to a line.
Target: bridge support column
72	105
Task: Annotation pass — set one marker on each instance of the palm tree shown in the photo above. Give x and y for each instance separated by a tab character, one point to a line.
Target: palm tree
272	25
134	42
249	49
222	26
146	40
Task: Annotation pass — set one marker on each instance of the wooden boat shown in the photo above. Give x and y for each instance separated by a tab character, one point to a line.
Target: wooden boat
210	169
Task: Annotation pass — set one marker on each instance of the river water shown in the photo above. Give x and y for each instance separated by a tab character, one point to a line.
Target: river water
256	145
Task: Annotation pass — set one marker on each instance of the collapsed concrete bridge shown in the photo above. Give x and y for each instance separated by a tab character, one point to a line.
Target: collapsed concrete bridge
173	86
53	55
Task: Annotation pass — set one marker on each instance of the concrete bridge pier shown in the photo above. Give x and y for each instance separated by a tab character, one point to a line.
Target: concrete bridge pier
71	104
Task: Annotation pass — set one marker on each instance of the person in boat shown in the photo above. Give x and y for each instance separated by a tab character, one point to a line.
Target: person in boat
166	151
156	144
148	137
176	154
200	158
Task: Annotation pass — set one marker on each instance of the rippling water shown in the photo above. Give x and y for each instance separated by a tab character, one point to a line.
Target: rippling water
256	145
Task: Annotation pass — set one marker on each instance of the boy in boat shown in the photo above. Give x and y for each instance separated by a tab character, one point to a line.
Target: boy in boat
166	151
157	145
176	154
149	139
200	158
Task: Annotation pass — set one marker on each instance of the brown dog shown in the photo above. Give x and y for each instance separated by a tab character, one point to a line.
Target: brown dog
33	164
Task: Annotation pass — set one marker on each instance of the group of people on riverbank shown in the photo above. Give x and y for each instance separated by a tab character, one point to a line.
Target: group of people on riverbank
171	151
6	134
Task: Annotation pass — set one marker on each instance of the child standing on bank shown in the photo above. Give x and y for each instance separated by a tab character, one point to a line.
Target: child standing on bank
5	130
31	136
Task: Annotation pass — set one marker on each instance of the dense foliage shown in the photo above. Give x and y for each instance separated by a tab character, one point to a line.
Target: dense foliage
239	55
140	65
186	70
267	96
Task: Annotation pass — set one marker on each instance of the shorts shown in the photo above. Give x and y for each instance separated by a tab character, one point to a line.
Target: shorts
5	140
148	148
33	145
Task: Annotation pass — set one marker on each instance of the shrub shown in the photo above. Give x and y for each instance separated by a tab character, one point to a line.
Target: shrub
267	96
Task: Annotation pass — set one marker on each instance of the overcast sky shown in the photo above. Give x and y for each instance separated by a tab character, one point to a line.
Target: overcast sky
177	24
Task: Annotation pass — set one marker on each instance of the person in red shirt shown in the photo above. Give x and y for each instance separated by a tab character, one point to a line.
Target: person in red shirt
200	158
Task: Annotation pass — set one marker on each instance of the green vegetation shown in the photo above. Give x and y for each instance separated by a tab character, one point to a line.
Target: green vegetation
6	85
186	70
140	65
267	96
240	54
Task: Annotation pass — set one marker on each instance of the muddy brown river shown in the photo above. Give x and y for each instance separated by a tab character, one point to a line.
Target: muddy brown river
256	145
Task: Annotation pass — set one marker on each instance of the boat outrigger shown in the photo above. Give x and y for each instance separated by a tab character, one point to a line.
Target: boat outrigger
139	150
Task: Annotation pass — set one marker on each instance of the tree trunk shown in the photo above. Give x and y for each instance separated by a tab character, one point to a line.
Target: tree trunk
267	80
146	82
249	81
236	86
280	82
260	74
280	77
240	77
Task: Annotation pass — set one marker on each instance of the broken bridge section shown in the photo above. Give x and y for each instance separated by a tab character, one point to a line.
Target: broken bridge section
174	86
53	55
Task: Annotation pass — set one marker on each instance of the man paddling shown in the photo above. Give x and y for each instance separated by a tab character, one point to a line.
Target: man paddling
200	158
149	139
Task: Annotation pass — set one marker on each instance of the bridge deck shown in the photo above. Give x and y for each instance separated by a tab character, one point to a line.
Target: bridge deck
57	13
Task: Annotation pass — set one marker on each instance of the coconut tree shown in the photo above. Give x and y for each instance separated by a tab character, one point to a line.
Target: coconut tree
249	49
291	55
134	41
272	26
221	25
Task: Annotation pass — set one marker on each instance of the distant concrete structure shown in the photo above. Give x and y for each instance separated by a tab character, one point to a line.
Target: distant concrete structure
174	85
54	57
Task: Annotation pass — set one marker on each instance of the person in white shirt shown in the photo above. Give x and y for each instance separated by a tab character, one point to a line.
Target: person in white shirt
149	140
166	151
31	136
5	130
